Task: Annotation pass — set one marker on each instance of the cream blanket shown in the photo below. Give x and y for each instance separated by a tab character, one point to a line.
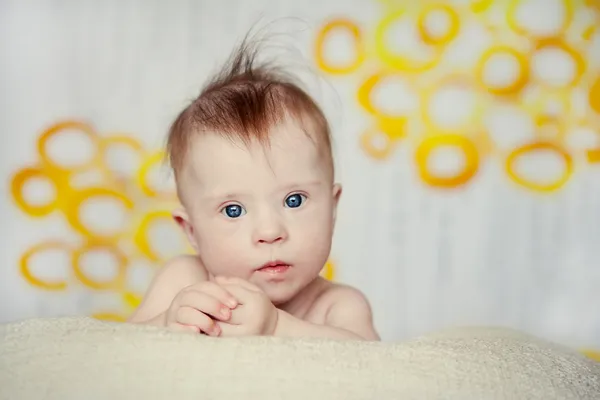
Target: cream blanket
81	358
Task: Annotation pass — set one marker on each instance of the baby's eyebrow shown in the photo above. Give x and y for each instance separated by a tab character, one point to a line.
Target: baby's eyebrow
302	185
223	196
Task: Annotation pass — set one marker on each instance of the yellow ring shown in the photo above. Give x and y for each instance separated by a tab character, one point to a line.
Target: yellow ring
398	62
106	142
594	96
558	42
593	354
142	177
17	184
464	144
518	84
328	271
141	235
56	129
593	156
428	94
72	205
115	283
479	6
358	45
544	120
448	36
109	317
364	97
589	32
127	141
33	280
132	300
391	140
530	147
511	19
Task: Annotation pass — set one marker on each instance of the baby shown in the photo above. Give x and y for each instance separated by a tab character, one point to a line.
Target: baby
254	172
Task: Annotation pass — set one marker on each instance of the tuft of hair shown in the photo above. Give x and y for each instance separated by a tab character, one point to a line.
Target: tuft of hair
244	101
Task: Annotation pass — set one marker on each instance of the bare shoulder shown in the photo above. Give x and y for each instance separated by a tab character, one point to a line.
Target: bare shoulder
335	295
184	268
348	308
175	275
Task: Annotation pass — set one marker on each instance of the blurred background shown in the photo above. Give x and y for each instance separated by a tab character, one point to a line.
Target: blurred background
467	138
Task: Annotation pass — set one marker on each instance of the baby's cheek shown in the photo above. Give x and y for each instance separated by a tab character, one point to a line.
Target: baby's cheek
315	237
223	254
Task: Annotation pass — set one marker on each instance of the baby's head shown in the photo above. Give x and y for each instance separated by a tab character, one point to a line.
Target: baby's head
254	172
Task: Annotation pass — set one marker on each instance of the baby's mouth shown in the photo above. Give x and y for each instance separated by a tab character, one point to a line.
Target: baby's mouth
274	267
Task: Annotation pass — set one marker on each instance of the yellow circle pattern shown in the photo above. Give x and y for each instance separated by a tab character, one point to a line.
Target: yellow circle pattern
132	194
427	74
145	205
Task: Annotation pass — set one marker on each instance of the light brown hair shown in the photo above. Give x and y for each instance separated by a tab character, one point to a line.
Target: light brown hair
244	101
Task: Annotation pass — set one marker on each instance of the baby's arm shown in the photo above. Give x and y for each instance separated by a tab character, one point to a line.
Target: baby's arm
177	274
349	317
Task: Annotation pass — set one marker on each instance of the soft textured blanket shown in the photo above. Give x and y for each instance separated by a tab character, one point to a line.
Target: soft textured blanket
81	358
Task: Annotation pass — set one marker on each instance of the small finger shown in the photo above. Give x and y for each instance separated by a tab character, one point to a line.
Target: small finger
192	317
218	292
177	327
205	303
230	330
237	281
241	292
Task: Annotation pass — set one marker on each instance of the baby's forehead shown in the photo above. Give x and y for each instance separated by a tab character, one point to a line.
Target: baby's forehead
290	154
283	141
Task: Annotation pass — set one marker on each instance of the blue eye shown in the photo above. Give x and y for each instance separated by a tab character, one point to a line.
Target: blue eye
294	201
233	211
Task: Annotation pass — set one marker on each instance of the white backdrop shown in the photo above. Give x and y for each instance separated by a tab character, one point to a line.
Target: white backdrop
433	227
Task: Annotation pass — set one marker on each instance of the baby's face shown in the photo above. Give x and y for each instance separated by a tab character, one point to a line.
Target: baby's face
247	207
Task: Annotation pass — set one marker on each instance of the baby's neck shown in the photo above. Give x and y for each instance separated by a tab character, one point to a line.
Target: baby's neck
301	304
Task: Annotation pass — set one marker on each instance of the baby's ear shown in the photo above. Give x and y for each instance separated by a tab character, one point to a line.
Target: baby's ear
337	192
181	217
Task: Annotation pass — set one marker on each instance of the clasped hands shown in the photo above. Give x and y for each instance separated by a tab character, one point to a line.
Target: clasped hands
223	307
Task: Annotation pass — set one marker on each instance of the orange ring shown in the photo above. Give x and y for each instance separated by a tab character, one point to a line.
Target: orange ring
29	277
72	205
17	184
358	44
140	237
452	31
539	145
464	144
57	128
518	84
119	279
395	61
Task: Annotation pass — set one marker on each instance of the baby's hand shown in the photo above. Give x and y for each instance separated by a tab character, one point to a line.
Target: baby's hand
255	314
197	307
